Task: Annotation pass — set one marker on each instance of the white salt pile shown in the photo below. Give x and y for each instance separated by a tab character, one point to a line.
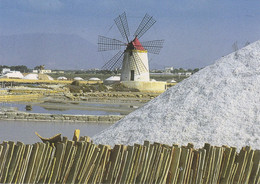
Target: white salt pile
219	105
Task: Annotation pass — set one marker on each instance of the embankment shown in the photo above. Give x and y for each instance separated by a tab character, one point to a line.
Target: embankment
24	116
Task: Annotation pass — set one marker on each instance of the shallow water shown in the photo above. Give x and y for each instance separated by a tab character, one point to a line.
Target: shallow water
77	109
24	130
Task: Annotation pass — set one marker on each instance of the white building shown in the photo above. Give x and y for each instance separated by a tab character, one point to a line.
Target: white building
41	71
168	69
5	70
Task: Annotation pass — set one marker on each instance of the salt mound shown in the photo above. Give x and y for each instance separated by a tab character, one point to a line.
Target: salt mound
219	105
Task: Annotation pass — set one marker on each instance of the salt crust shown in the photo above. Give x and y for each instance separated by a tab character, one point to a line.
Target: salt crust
219	105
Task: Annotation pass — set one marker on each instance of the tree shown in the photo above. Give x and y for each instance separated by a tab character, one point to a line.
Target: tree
20	68
40	67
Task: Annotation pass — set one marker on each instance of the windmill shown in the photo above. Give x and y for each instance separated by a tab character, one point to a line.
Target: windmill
133	61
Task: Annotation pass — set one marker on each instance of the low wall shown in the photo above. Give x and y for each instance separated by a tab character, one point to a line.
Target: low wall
146	86
85	162
24	116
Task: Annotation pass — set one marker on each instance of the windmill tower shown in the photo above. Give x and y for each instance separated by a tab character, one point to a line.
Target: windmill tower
133	61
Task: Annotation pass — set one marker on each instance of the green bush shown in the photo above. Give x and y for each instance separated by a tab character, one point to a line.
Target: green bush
77	87
74	88
121	87
75	83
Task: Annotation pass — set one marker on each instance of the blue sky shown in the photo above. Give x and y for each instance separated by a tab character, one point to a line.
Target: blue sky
196	32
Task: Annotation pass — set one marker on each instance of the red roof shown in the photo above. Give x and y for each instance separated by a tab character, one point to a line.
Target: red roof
137	45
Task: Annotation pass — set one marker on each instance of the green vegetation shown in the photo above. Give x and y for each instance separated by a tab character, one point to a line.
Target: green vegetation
121	87
77	87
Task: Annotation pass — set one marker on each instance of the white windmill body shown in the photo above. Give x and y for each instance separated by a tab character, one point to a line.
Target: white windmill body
135	65
135	71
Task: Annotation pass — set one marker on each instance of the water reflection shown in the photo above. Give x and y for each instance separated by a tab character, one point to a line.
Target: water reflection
66	109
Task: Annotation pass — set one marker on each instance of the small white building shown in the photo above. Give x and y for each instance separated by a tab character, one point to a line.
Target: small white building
168	69
6	70
45	71
188	73
41	71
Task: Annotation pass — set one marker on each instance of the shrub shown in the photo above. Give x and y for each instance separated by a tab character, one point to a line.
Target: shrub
77	87
74	88
75	83
121	87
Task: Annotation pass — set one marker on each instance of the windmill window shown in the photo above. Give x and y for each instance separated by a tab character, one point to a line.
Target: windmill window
132	75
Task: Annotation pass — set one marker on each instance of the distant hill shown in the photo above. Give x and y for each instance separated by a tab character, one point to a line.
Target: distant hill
55	51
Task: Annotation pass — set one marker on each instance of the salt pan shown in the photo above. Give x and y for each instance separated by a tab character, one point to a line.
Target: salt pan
219	105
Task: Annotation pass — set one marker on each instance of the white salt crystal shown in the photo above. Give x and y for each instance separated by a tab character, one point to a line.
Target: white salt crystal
219	105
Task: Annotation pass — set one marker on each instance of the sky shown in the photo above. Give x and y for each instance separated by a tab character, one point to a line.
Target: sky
196	32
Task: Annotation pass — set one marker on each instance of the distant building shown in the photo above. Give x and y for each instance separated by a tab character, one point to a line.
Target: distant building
6	70
168	69
45	71
188	73
41	71
59	71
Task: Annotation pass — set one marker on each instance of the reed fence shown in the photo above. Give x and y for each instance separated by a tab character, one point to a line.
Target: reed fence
83	161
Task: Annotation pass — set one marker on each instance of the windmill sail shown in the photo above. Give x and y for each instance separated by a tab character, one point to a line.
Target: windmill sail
115	62
154	46
144	26
105	44
122	25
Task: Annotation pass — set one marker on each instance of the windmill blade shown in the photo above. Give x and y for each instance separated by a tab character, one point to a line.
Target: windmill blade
105	43
153	46
139	63
122	25
114	62
146	24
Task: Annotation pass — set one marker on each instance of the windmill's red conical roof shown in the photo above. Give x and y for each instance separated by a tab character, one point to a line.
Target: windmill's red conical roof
137	45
